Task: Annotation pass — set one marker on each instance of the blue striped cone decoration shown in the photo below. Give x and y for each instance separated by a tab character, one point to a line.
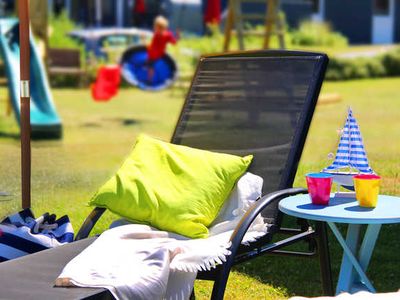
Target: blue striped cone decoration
351	152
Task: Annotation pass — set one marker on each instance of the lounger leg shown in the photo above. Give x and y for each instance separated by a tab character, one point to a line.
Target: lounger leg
221	280
218	290
324	258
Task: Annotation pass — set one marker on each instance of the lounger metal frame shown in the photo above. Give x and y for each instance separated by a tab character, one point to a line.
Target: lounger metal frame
316	237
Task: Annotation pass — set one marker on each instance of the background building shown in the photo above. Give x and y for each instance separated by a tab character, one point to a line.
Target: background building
361	21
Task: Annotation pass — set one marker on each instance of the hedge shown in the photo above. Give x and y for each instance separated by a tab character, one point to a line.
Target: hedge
384	65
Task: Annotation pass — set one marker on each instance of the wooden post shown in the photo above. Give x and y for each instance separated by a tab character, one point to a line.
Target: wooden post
238	21
274	24
270	22
228	27
234	20
23	12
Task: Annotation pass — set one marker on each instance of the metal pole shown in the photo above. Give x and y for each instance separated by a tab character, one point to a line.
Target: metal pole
120	13
23	12
98	12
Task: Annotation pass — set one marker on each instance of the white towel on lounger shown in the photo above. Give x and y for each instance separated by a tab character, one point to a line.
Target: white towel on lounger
140	262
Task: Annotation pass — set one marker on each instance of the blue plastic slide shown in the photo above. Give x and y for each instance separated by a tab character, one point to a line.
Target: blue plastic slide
45	123
135	70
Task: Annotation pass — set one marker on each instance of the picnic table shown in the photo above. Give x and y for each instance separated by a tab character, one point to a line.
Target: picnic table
356	257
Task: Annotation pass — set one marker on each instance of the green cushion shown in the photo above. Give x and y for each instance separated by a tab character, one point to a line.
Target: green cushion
171	187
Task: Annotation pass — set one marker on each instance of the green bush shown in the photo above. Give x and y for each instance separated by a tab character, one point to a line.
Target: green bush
190	48
317	34
356	68
59	29
387	64
391	62
335	69
375	67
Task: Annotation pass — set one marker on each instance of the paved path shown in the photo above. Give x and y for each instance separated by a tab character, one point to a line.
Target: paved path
367	53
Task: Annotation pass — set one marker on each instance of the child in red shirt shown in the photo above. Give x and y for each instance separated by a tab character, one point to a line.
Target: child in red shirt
158	45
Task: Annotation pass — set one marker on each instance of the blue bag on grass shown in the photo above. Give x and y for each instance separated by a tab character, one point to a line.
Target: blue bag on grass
21	234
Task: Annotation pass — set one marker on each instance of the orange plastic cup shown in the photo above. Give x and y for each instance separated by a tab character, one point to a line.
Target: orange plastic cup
367	189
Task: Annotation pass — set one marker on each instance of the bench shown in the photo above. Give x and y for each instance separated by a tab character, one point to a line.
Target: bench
65	62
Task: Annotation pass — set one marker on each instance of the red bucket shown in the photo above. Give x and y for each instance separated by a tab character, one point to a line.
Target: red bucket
107	83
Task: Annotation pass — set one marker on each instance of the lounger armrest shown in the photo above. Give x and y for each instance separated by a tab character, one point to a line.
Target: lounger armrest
253	212
240	231
89	223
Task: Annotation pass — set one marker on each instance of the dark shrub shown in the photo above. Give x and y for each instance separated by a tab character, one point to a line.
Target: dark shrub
391	62
375	67
387	64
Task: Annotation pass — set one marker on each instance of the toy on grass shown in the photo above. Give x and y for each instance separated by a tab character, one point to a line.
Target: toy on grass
106	85
151	68
135	71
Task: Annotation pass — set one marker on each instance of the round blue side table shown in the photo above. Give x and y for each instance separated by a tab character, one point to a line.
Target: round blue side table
356	258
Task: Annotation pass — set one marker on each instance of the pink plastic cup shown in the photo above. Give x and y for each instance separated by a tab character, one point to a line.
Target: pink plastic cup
319	187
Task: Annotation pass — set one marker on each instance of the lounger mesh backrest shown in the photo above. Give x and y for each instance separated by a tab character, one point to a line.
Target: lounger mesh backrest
258	103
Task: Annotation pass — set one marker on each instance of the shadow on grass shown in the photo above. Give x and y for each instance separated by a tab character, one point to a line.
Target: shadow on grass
91	124
105	121
301	276
298	276
129	122
14	136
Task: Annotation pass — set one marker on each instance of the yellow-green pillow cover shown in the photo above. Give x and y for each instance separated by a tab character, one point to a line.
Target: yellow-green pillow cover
171	187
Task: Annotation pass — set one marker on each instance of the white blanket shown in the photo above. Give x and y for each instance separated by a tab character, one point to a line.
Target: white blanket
140	262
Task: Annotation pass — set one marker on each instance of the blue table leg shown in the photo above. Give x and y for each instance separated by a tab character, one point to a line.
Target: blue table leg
368	244
350	262
346	275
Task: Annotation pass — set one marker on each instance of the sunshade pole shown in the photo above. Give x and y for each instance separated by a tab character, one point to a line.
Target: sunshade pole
23	11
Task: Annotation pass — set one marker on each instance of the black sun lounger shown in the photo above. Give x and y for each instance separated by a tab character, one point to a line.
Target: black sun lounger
259	102
33	276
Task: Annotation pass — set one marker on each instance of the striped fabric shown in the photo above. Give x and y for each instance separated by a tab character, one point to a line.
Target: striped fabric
351	151
22	234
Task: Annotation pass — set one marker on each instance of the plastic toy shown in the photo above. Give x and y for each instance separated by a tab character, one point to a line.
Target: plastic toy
135	71
44	120
107	83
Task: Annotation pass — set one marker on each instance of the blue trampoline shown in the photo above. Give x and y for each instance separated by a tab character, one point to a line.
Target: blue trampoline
135	70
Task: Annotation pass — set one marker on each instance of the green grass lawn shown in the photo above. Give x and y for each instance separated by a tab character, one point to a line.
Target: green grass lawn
97	137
